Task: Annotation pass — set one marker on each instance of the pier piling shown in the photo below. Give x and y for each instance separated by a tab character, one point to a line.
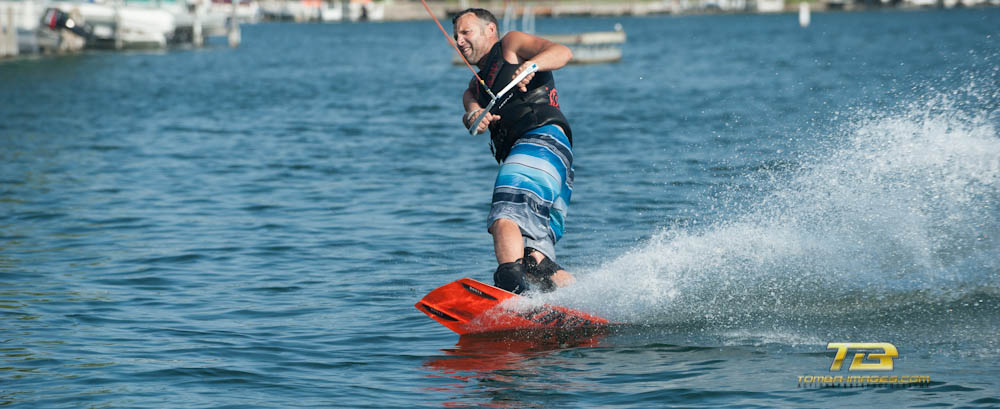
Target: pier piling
8	35
234	27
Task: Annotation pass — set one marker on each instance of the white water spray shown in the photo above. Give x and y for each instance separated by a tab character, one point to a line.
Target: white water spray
900	205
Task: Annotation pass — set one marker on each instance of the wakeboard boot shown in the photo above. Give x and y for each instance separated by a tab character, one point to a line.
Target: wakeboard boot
539	273
511	277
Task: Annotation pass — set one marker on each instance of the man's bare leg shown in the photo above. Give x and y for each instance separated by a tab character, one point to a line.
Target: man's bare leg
507	241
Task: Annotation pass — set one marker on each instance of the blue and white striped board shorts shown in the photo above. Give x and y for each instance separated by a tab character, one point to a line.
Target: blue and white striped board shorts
533	187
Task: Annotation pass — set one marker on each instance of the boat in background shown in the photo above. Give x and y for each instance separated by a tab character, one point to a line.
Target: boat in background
593	47
331	11
322	10
124	26
117	24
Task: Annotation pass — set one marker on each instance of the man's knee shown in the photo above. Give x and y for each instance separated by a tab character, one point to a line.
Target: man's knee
503	224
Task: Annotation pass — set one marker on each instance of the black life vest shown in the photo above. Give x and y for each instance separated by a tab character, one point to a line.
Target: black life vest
519	111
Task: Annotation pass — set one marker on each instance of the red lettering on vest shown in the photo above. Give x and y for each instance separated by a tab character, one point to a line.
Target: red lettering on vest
492	76
553	98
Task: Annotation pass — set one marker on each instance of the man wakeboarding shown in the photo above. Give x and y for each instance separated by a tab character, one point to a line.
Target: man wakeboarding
532	141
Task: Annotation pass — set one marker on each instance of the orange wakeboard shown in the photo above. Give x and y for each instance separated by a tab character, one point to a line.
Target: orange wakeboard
468	306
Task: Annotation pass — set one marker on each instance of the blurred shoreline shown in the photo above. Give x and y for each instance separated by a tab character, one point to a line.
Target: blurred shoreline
414	10
33	27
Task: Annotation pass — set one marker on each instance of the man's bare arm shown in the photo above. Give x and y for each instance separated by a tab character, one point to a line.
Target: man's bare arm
526	49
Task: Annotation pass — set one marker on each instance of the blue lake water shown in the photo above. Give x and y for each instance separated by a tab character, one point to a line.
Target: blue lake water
251	227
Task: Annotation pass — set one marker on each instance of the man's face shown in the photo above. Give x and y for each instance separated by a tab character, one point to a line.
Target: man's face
474	37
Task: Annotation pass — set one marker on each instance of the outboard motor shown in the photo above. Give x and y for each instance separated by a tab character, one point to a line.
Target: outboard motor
56	19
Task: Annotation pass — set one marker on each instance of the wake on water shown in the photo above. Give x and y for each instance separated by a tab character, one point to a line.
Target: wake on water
895	216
